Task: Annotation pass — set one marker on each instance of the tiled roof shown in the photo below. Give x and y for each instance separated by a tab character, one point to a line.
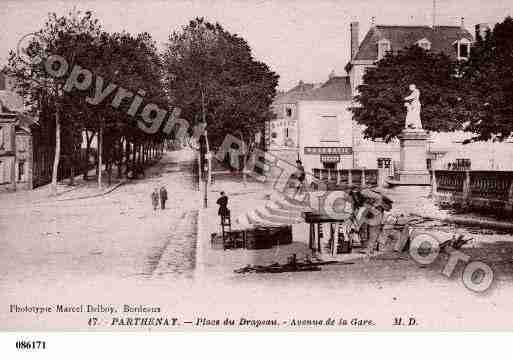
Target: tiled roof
294	94
337	88
400	37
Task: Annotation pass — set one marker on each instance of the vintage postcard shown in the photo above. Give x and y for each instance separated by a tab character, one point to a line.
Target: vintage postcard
256	166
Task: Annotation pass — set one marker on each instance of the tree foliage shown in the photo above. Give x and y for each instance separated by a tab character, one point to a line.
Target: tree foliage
473	95
127	61
212	76
381	97
488	77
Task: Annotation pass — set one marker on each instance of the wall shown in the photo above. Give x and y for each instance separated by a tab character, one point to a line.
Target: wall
311	129
24	153
356	75
281	124
367	152
7	154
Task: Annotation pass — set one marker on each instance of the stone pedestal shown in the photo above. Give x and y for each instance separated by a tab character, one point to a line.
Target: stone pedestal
413	170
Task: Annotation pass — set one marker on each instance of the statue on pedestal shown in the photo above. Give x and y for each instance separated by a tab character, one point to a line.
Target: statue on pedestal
412	104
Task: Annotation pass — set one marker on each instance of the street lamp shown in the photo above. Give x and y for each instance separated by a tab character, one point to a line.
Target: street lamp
243	150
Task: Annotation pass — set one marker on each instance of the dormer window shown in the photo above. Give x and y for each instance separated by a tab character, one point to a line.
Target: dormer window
425	44
462	48
383	48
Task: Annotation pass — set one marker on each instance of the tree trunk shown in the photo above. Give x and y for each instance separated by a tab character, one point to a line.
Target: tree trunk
109	169
134	154
57	154
128	149
120	157
89	139
109	160
72	169
100	149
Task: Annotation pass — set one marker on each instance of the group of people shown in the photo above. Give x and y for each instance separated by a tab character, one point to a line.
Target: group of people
159	196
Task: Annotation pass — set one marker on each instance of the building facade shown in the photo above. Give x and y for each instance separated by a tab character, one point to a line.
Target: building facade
16	147
313	123
445	150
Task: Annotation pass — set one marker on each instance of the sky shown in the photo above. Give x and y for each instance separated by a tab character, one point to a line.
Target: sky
300	40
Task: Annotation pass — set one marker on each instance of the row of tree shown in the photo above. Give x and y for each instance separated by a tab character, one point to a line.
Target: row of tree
204	70
473	95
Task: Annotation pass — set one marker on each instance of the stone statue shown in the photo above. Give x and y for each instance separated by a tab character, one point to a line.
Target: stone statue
412	105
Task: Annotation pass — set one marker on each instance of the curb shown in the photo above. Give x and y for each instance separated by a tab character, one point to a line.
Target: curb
491	224
113	188
483	223
161	265
199	269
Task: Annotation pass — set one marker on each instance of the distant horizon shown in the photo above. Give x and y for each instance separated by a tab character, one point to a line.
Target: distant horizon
299	40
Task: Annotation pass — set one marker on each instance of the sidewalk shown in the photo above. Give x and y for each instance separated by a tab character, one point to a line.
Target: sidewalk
248	205
81	189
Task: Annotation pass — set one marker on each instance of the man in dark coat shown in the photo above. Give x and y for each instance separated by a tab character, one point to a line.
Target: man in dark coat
299	175
223	206
163	197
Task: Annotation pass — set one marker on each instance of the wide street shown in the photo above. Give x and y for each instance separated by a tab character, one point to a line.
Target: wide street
116	235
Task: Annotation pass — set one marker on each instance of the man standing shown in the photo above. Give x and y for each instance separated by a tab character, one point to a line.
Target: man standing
163	197
155	199
300	175
222	201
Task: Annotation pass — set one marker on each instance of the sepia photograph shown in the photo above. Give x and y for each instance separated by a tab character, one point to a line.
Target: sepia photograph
227	165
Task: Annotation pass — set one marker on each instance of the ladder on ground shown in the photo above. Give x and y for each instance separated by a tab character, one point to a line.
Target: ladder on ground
226	226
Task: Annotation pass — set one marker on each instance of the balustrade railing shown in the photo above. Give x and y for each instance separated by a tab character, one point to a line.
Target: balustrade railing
491	187
357	176
450	181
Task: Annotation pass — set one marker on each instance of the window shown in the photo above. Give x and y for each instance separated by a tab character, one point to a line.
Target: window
383	48
463	164
425	44
384	162
329	129
21	170
462	49
2	138
288	112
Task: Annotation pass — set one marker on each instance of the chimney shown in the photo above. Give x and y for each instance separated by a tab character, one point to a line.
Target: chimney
355	38
481	30
462	22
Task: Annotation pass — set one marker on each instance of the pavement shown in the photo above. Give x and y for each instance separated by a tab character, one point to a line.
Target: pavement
115	234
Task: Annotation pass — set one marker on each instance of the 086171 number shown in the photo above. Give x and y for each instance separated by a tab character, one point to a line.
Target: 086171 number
30	345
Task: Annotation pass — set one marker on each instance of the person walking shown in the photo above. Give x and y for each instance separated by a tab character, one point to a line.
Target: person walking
155	199
163	197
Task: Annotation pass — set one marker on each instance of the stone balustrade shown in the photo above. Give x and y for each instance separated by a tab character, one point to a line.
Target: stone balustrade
355	176
488	189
